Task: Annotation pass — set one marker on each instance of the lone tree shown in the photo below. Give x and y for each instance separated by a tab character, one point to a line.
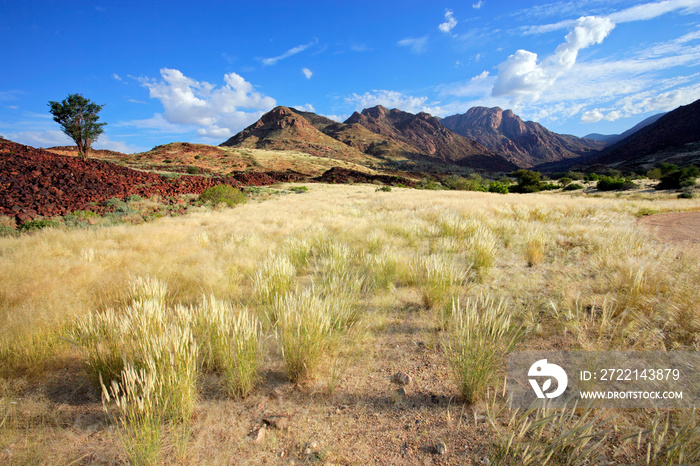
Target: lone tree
78	119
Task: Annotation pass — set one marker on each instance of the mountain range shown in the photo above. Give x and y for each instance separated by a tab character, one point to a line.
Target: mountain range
490	139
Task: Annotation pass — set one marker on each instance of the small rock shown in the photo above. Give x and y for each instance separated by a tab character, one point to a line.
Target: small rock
311	447
441	448
258	435
401	378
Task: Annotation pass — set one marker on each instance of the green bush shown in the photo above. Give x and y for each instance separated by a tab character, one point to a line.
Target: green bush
222	194
686	195
430	184
193	170
33	225
565	181
473	182
607	183
134	198
573	187
385	189
299	189
497	187
683	178
528	181
592	177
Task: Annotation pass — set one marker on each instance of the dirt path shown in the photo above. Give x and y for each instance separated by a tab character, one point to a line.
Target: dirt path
683	227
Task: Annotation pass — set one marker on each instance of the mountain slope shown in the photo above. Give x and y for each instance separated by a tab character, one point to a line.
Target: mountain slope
613	138
429	138
284	129
673	137
525	144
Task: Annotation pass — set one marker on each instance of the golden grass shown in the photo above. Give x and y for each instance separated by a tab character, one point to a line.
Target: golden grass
579	272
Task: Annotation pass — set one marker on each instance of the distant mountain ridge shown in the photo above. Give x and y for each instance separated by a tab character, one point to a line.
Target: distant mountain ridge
673	137
482	138
525	144
375	136
429	137
613	138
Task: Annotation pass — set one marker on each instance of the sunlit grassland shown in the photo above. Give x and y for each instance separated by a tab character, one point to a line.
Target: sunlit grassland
299	281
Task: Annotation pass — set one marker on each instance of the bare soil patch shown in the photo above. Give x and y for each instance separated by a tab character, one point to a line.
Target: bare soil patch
679	227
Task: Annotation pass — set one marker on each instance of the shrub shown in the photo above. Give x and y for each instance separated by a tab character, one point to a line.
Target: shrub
134	198
549	186
33	225
480	335
222	194
607	183
384	189
565	181
592	177
683	178
474	182
686	195
497	187
193	170
573	187
299	189
528	181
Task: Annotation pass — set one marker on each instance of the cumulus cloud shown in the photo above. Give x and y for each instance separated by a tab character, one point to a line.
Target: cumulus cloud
592	116
307	72
287	54
216	111
522	76
394	99
449	24
417	45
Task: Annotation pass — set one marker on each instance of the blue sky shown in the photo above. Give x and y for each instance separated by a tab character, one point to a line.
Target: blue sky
201	72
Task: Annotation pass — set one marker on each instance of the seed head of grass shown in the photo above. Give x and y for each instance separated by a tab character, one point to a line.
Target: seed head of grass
273	278
439	278
480	335
305	332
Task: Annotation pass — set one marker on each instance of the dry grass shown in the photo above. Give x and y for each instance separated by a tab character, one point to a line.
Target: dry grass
578	272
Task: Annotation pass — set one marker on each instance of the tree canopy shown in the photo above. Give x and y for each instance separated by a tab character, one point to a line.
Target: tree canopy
79	120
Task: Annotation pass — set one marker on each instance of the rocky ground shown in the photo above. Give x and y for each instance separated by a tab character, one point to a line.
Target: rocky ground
36	182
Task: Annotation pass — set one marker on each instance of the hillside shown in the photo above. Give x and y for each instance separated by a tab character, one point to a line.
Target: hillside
613	138
430	138
284	129
675	138
525	144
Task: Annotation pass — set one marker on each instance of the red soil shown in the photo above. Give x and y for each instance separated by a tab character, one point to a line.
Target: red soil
35	182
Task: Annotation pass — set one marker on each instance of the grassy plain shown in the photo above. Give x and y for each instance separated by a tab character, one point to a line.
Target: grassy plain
379	275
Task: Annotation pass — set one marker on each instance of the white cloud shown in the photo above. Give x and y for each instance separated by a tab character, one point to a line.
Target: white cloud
449	24
288	53
592	116
307	72
521	76
478	4
307	107
641	12
393	99
116	77
653	10
417	45
338	118
46	138
217	111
